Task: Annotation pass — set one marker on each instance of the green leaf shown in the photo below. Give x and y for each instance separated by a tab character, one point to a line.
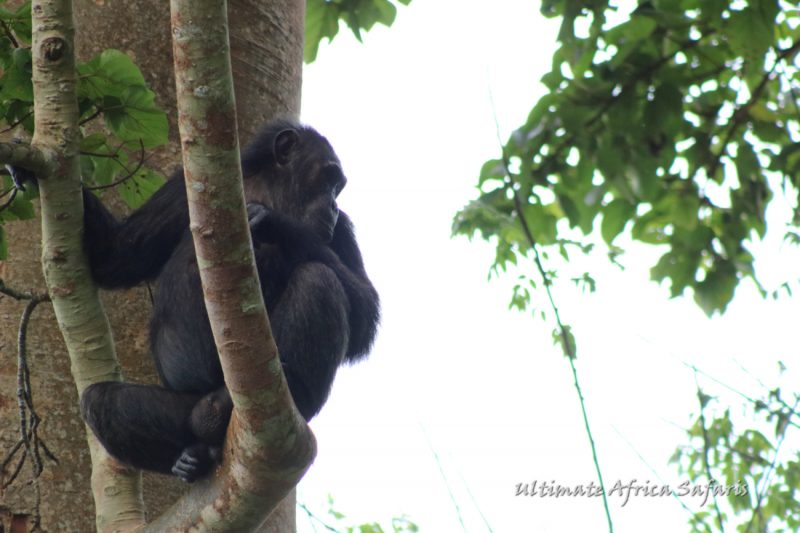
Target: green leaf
747	165
16	83
138	190
680	268
566	340
615	216
322	21
651	228
3	244
664	113
570	209
111	73
95	142
113	84
138	118
21	207
19	22
685	208
383	11
715	292
541	223
104	170
492	170
751	37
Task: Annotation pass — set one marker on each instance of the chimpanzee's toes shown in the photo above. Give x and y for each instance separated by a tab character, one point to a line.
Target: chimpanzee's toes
195	462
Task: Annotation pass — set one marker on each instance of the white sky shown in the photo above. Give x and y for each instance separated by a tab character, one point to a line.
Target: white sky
453	369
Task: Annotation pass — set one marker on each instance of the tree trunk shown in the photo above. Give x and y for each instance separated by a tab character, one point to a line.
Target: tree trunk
267	48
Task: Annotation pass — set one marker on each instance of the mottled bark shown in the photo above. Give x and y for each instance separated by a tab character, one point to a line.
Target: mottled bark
76	303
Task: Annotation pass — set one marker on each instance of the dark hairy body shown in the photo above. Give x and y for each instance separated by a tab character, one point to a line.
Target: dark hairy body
322	306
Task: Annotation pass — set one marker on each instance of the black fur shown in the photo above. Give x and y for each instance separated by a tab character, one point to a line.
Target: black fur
323	308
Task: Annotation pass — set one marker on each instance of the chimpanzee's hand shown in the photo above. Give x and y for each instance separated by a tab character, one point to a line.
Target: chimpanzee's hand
271	227
262	223
21	176
256	214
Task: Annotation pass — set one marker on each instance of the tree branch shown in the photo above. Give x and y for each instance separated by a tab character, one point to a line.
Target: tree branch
117	490
268	445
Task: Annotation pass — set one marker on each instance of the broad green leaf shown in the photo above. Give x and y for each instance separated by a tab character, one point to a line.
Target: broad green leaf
750	36
105	170
664	113
138	190
19	22
685	207
112	73
384	12
651	228
615	215
138	118
492	170
680	268
747	166
21	207
323	17
95	142
570	209
15	83
541	222
715	292
322	22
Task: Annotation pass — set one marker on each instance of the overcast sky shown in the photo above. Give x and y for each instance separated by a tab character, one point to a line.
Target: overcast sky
454	373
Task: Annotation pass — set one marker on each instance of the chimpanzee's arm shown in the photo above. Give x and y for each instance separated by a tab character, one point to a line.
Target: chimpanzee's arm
341	255
364	302
123	254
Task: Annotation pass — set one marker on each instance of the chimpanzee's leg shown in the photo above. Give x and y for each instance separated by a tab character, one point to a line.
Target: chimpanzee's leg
209	423
145	426
310	324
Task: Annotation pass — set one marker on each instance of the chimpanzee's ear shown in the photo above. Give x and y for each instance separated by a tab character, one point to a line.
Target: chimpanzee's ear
285	143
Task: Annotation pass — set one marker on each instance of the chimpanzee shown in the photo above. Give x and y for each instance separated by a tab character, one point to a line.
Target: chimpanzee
322	306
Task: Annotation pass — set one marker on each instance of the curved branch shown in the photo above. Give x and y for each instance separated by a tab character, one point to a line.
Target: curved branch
22	155
130	173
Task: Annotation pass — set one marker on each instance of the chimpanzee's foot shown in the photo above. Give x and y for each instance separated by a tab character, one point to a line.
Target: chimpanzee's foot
196	461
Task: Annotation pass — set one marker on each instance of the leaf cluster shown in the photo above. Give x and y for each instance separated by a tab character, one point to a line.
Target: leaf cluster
110	87
323	18
676	122
720	448
401	524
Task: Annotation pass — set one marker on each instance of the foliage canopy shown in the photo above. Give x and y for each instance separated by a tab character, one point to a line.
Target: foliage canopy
675	119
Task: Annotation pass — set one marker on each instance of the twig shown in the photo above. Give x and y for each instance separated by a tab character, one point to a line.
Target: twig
91	117
19	295
13	192
17	122
767	474
568	346
126	177
29	441
652	469
7	31
706	451
314	518
444	478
